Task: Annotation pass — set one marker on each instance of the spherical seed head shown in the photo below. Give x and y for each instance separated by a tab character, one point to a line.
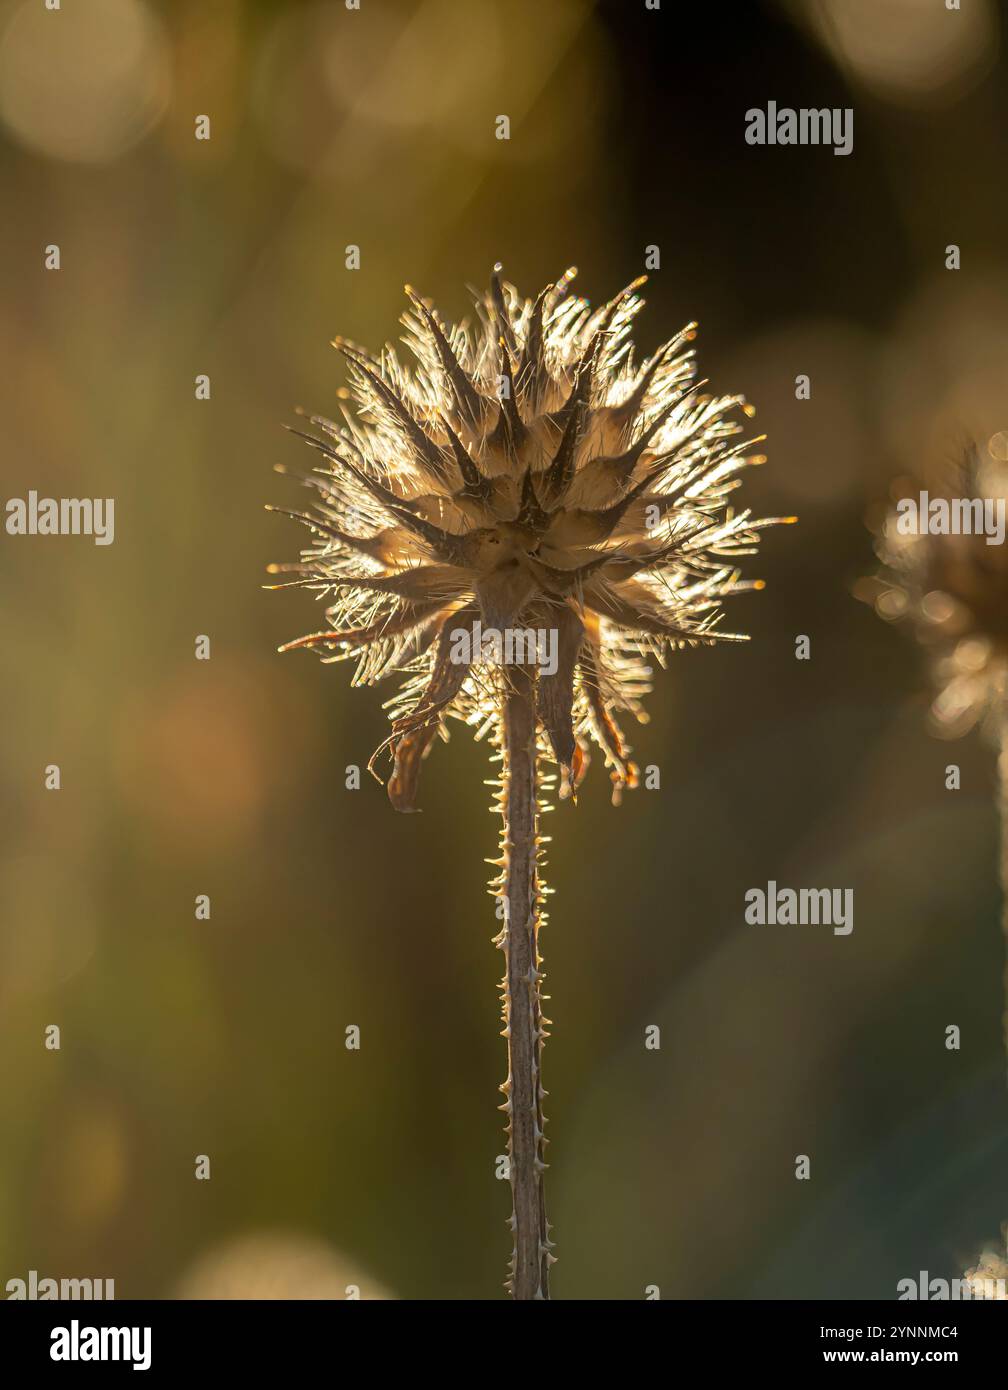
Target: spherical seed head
951	586
524	477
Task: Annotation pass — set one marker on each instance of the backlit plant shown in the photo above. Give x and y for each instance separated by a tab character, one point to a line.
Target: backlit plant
525	473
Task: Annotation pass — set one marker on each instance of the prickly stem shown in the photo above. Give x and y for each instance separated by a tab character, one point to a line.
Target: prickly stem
519	939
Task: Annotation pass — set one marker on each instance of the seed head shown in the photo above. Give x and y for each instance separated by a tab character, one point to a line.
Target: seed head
951	587
527	474
988	1278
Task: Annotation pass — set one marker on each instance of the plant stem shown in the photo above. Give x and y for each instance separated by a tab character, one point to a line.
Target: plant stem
522	1011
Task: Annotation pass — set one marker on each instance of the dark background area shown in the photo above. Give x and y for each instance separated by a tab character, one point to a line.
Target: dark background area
226	1038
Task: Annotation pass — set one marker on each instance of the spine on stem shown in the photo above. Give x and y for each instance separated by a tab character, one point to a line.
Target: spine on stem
519	892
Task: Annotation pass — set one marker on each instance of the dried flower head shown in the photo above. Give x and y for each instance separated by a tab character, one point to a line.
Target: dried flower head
525	474
988	1278
951	584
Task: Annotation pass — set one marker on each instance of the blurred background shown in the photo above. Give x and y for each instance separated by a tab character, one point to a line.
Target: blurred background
179	257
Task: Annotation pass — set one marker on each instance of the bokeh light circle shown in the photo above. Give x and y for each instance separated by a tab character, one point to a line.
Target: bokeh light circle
86	82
